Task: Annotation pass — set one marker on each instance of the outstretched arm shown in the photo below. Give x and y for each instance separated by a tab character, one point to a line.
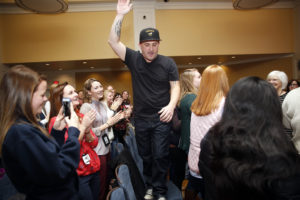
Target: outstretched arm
123	7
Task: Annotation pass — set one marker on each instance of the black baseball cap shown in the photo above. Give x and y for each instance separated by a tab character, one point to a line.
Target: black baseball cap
149	34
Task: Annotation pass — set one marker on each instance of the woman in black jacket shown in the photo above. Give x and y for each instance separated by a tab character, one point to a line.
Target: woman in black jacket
34	161
247	155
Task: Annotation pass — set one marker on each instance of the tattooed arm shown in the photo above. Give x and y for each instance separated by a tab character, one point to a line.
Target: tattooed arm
119	48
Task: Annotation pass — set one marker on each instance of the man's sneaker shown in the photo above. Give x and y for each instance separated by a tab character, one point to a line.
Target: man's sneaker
162	198
149	194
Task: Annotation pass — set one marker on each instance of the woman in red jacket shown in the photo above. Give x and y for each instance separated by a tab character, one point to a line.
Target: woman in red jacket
89	165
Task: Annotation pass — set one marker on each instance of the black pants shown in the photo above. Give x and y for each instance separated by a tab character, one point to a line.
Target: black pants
89	186
196	185
178	159
153	146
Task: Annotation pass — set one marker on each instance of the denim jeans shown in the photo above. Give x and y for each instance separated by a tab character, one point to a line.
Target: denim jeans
152	138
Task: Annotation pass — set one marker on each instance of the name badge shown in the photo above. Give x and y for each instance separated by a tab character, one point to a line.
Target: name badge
86	159
105	140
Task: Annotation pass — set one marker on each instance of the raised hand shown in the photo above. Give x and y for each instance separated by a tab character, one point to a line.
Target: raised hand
73	121
124	6
114	119
88	119
117	102
128	112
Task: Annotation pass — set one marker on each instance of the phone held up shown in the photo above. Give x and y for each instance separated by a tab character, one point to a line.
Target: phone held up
66	107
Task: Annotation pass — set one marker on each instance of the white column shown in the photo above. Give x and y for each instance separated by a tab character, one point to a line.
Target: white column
143	16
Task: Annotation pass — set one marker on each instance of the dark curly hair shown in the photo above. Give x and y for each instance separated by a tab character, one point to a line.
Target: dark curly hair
248	149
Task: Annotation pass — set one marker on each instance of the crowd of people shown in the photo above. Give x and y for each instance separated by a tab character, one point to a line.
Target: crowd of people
241	142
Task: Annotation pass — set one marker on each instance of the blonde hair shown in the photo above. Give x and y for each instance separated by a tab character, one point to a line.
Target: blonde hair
186	82
214	86
106	93
17	88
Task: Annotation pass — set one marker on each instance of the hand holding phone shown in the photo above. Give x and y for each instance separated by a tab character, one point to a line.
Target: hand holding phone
73	120
66	106
60	123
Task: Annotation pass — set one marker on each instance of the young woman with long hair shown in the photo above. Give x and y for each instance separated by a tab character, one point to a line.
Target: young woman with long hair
56	98
206	111
189	83
89	165
93	90
246	155
36	163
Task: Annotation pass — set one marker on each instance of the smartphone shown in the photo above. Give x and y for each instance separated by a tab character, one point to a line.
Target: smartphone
66	106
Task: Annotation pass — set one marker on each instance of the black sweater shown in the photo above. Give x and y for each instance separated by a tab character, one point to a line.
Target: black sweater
38	166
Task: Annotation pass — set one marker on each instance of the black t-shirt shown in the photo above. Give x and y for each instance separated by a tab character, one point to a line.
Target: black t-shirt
150	83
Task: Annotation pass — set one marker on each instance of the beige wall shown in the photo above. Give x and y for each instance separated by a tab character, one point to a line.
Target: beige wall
73	36
3	68
67	36
218	32
83	35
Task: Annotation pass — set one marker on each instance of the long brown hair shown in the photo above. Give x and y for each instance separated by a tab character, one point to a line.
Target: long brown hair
186	82
214	86
17	88
56	98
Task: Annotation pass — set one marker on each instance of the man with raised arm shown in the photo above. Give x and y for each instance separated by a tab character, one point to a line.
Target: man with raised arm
155	95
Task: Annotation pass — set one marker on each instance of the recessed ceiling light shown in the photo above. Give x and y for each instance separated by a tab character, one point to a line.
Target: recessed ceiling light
92	67
199	58
47	64
84	62
190	63
233	57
